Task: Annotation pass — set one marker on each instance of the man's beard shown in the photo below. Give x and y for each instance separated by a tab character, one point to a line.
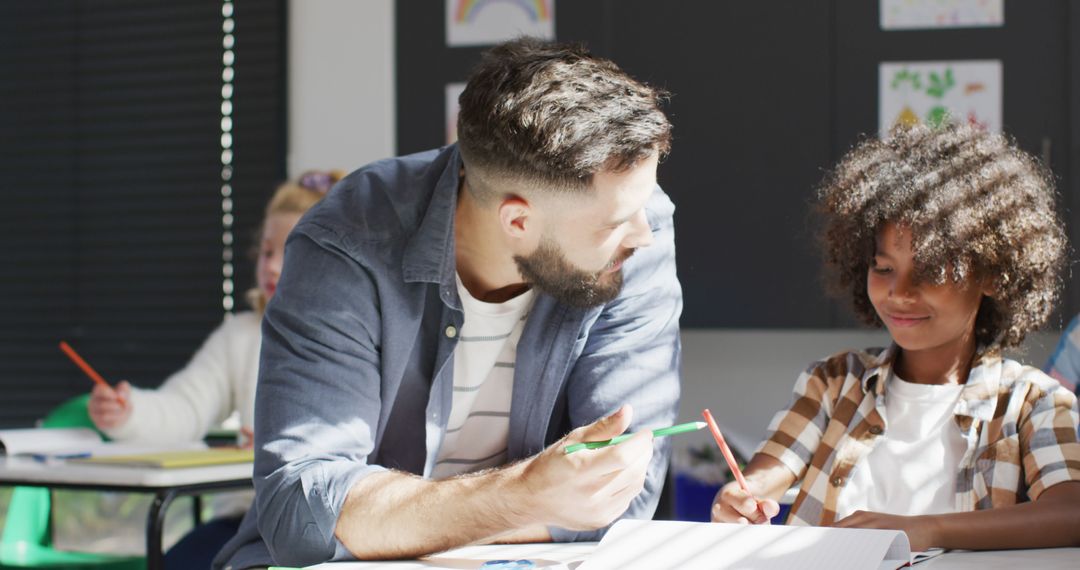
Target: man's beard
551	272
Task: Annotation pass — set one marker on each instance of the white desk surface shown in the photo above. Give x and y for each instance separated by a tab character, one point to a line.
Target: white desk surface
570	556
1041	558
550	556
19	469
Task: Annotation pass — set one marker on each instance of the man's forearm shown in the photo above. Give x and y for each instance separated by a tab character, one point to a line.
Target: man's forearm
399	515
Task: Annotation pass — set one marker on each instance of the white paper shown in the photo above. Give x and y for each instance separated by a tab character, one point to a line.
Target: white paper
453	91
48	440
647	545
925	91
546	556
485	22
931	14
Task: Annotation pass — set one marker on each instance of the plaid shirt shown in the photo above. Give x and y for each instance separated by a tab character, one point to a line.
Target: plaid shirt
1020	427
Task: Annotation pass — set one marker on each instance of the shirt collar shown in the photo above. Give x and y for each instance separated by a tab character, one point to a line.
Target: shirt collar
977	399
878	370
429	253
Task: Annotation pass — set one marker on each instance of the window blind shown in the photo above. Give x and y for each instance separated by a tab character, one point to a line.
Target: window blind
111	157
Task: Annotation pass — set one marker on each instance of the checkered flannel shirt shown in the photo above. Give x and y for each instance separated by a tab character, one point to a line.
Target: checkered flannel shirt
1019	424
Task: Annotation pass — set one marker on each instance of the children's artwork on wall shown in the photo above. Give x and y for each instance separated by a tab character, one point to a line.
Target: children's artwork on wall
484	22
935	91
928	14
453	91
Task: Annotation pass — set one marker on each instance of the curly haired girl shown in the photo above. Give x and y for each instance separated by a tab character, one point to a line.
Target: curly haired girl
949	238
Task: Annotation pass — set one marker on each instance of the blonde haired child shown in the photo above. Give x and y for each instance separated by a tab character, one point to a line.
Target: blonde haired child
220	378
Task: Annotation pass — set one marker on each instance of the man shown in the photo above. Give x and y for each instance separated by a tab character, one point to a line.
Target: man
443	319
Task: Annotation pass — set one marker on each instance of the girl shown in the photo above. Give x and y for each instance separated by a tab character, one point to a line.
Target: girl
949	238
220	378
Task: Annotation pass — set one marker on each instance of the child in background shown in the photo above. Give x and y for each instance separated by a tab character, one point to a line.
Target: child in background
220	378
1064	364
950	239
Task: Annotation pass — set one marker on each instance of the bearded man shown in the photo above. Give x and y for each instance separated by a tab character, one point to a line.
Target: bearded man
446	323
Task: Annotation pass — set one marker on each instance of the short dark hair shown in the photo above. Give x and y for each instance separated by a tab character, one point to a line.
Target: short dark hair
977	207
555	114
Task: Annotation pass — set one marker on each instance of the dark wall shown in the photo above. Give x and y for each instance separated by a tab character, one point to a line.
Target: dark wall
766	95
111	157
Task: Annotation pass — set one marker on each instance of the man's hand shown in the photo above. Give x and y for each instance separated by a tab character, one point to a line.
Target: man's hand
390	515
108	407
920	533
590	488
733	505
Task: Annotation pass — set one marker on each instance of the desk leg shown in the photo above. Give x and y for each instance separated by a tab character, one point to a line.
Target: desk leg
155	527
196	509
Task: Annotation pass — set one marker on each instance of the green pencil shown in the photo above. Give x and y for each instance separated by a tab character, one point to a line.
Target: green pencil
690	426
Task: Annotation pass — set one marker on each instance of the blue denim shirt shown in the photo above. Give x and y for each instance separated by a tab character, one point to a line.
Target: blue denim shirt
357	370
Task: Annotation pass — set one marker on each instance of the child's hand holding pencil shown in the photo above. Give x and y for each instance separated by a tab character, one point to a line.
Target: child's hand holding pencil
110	407
735	503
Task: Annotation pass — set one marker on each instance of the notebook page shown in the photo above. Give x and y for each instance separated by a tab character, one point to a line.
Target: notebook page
48	440
648	545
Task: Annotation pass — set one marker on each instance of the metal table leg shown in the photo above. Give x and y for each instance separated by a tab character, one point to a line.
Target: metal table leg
155	558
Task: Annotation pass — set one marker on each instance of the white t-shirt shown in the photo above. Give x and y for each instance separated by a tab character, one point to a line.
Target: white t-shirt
479	423
912	468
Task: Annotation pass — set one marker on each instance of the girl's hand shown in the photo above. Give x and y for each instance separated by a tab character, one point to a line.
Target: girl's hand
733	505
110	408
918	529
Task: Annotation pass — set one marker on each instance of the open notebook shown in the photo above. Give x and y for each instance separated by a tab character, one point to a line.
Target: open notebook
41	441
647	545
84	444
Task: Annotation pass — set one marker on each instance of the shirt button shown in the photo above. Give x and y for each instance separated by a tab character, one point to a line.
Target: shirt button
837	481
876	430
451	331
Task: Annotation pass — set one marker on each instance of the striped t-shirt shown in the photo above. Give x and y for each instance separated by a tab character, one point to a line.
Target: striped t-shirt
479	423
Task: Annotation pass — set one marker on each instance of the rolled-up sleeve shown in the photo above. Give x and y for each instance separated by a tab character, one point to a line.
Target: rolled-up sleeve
632	355
795	433
318	399
1048	440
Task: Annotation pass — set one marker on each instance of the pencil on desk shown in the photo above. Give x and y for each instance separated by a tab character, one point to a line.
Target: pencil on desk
74	356
661	432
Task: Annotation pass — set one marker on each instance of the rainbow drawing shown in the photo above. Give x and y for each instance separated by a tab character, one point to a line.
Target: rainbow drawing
537	10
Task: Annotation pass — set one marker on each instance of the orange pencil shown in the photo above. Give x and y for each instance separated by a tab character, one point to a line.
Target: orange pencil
726	451
74	356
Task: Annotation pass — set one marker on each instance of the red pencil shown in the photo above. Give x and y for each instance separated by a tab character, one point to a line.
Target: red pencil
726	451
74	356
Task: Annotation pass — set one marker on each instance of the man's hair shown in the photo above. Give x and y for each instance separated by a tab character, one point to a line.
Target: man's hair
553	115
978	208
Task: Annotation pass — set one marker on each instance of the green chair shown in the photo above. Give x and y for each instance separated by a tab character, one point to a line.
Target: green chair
27	538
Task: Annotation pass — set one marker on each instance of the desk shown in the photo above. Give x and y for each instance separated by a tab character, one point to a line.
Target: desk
165	484
570	556
551	556
1041	558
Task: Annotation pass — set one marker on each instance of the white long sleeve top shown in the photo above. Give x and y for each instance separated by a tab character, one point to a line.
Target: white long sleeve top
219	379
